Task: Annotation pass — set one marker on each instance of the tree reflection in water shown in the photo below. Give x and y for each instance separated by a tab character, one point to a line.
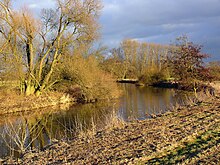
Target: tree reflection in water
35	131
141	102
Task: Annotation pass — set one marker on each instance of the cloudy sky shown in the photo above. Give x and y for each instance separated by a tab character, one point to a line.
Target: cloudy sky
158	21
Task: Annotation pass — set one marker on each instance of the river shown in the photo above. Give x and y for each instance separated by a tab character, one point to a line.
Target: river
26	131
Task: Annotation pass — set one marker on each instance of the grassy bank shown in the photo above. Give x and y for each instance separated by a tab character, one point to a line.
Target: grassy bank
187	135
12	101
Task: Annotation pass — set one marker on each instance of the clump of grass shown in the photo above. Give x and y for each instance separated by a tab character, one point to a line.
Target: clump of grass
175	107
114	121
84	132
88	131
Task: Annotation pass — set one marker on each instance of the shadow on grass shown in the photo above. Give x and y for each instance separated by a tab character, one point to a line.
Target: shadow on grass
189	149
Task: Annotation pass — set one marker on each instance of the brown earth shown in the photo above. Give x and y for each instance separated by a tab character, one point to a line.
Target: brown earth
187	135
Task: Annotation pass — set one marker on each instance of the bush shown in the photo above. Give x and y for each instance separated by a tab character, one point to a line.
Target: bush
85	74
152	77
214	68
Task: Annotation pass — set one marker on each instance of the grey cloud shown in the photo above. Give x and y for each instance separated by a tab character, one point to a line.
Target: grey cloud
162	21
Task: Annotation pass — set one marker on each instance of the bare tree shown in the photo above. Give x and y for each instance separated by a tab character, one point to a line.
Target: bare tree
139	58
39	44
130	51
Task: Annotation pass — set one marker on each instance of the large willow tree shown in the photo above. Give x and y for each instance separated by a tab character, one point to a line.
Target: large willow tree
36	46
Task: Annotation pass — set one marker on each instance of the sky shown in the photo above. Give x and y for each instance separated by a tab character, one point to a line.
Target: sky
158	21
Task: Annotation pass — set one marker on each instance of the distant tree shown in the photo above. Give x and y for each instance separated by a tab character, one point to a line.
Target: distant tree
114	64
134	59
129	52
186	62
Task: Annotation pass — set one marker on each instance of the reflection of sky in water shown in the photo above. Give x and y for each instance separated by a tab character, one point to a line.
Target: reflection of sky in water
136	103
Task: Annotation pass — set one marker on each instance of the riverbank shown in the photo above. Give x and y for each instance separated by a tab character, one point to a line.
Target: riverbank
206	87
12	102
189	135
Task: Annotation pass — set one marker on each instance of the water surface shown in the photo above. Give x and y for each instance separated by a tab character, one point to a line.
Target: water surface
141	102
38	129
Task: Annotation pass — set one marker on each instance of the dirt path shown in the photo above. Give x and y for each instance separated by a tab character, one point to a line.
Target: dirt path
190	135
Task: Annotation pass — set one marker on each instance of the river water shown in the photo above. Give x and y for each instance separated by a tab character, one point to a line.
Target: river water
37	129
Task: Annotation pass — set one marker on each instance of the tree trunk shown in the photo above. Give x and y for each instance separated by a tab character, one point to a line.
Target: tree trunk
29	85
29	89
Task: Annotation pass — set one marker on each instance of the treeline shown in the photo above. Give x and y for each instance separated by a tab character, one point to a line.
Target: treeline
182	62
138	60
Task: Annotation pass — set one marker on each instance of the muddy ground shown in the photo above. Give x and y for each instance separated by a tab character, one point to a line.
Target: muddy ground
187	135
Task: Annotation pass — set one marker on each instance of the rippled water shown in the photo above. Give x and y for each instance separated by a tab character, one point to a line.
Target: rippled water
37	129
